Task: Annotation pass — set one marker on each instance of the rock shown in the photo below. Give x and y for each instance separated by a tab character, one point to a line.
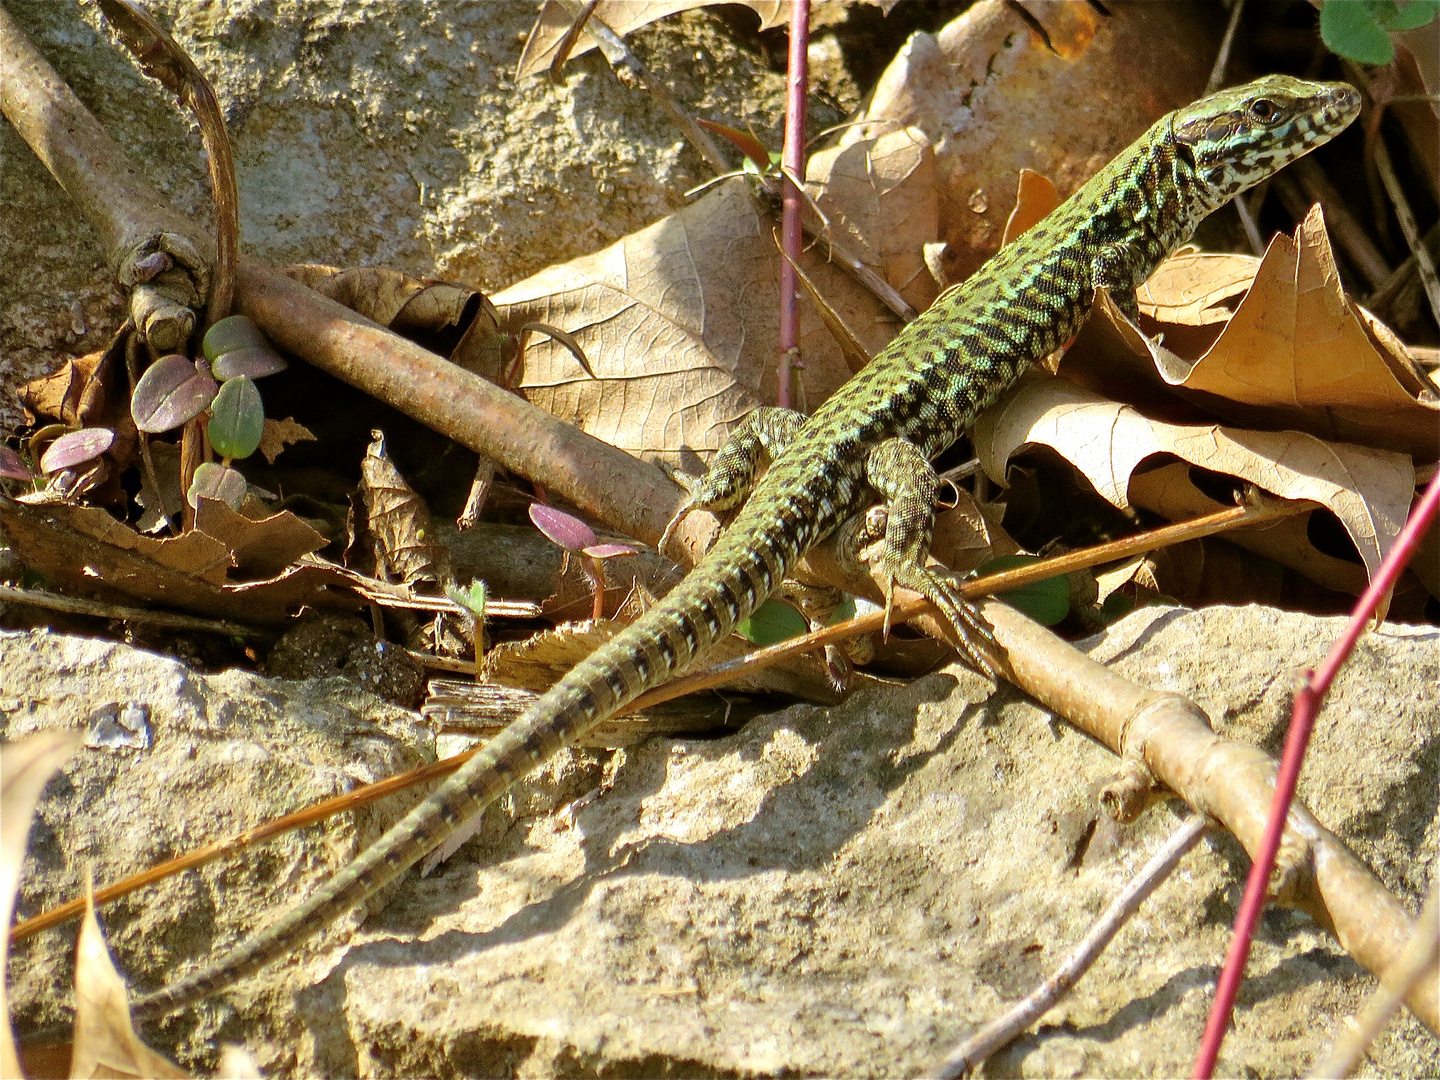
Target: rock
850	891
225	753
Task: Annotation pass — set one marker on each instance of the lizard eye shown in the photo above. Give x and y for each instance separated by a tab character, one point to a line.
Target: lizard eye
1263	109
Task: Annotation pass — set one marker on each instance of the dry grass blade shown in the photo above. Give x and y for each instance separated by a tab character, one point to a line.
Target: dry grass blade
105	1041
25	768
1418	961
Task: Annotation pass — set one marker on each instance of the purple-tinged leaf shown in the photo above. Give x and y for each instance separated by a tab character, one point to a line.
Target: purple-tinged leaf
255	363
214	481
172	390
75	448
608	551
13	466
564	529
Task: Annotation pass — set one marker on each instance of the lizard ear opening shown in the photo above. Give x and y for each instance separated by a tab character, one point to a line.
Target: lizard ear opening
1186	153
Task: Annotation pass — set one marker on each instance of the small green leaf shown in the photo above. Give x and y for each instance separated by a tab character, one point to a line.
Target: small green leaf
471	598
773	621
1047	601
1411	16
1350	30
237	419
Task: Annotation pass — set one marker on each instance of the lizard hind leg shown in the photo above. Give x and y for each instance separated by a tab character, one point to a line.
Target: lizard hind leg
762	435
903	476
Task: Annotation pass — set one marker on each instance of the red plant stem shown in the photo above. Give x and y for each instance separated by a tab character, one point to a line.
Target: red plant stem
793	159
1302	721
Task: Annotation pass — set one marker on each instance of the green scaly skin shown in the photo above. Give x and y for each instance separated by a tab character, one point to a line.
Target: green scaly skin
875	435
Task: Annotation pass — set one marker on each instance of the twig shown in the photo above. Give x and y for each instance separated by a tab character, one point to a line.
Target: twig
1423	261
1307	704
1418	959
567	43
76	605
628	69
793	160
161	57
970	1053
1222	58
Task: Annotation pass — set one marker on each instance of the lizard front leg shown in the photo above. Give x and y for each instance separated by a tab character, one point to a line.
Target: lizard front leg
904	477
762	434
1111	267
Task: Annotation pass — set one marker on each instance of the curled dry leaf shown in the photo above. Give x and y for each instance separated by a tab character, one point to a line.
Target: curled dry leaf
389	297
1035	197
259	547
105	1041
279	434
1271	343
1368	490
25	767
405	537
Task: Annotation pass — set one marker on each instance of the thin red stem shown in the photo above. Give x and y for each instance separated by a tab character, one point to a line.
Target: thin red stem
793	159
1302	721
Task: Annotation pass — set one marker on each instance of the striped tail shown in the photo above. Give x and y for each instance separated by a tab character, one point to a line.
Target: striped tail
728	584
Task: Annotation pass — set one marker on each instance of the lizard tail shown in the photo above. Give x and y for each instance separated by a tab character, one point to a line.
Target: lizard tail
730	582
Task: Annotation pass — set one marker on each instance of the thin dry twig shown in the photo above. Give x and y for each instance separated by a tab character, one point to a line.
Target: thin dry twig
793	158
1222	58
1418	251
970	1053
629	70
1418	960
76	605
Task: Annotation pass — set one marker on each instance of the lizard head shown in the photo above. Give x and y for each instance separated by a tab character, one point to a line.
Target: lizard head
1237	137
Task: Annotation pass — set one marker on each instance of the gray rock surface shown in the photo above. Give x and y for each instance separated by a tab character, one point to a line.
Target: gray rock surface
849	891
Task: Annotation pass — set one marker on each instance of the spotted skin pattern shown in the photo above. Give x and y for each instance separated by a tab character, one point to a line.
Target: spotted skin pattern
877	433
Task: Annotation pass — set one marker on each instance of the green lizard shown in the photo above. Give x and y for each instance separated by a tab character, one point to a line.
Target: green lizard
874	437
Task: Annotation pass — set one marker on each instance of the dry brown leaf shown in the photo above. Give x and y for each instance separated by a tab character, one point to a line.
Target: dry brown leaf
260	547
1035	197
880	199
71	394
49	542
1295	353
1369	490
26	765
105	1041
193	554
405	538
1057	88
389	297
279	434
622	16
1169	492
680	324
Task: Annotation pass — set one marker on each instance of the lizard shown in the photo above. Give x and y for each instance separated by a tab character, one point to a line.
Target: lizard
875	436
